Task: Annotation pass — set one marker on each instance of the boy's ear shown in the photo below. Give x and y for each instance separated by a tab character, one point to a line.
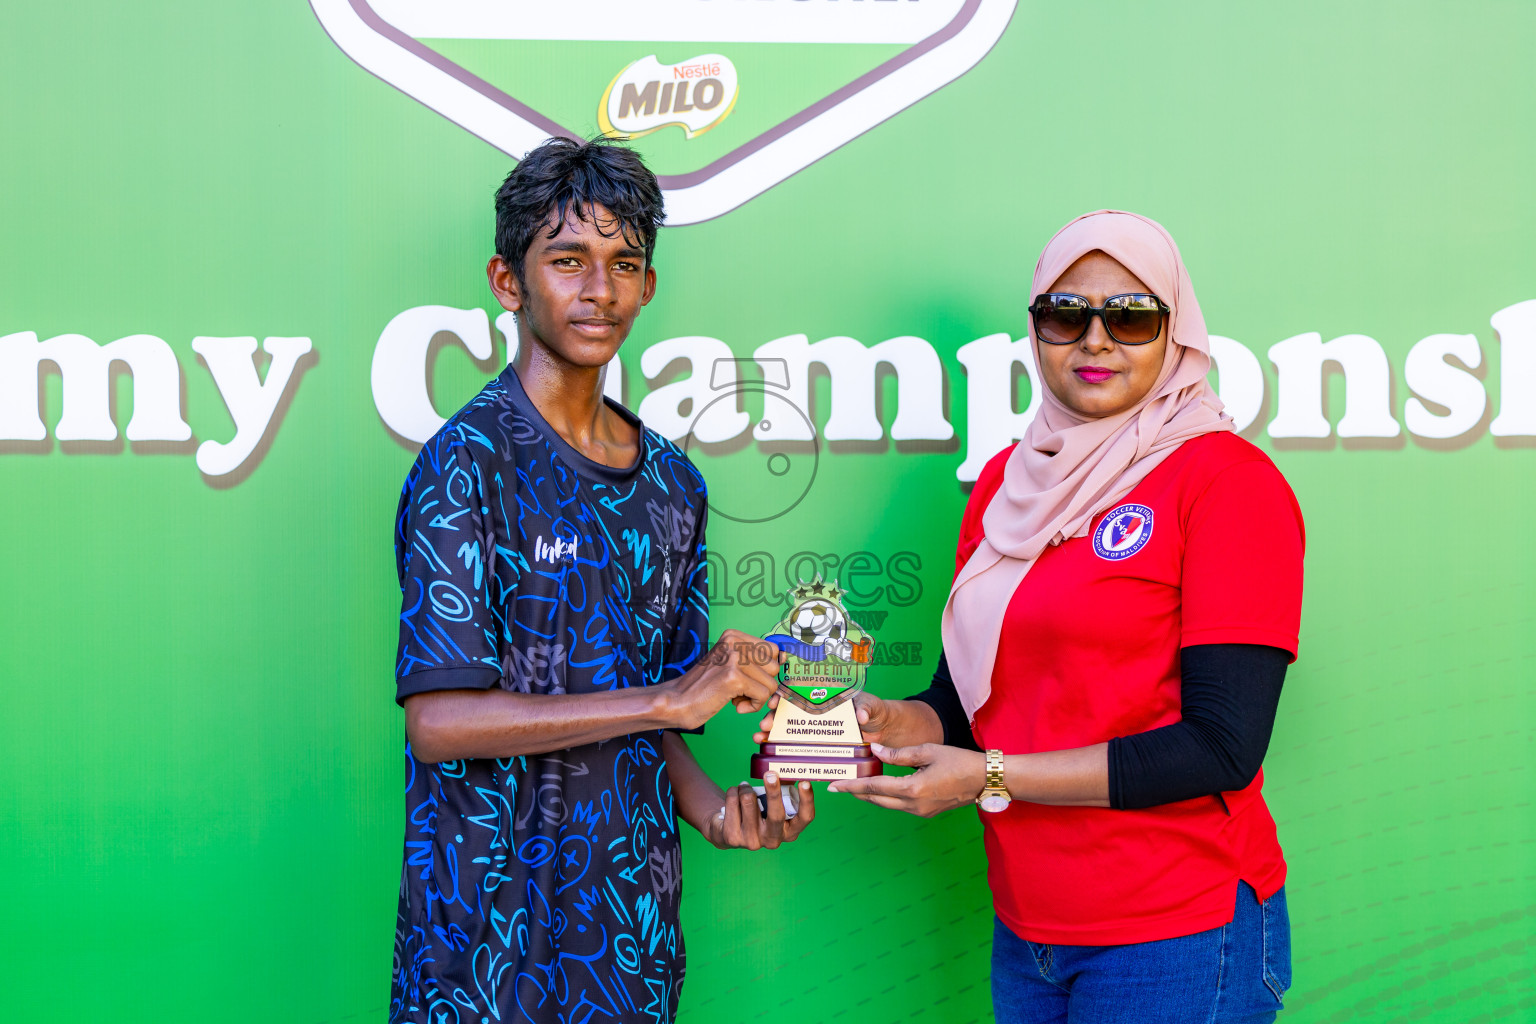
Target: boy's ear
504	284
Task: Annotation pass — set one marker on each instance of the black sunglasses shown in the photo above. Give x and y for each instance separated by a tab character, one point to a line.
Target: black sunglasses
1062	318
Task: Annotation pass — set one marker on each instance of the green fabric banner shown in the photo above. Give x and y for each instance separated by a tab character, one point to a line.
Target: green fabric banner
243	280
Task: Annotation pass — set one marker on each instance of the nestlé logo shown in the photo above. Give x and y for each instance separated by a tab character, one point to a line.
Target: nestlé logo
648	95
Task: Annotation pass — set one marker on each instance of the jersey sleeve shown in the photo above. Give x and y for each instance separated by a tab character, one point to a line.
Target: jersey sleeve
1242	572
443	548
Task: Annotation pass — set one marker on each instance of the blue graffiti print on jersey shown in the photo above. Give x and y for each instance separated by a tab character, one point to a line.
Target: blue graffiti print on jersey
543	888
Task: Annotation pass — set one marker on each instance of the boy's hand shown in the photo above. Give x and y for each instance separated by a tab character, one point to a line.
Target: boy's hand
740	824
740	668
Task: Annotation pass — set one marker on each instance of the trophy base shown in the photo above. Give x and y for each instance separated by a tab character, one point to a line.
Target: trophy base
815	769
794	755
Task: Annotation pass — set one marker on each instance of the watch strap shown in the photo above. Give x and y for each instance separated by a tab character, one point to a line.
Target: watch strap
994	794
995	778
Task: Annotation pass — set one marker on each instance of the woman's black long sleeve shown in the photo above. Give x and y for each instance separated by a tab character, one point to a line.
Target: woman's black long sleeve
941	696
1229	695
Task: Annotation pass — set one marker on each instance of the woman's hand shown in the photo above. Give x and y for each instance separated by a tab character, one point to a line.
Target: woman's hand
946	778
740	825
879	720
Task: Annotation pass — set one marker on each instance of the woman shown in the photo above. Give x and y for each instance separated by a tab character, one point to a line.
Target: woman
1127	599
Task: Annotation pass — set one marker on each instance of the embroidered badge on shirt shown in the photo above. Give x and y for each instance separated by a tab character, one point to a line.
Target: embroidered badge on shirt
1124	531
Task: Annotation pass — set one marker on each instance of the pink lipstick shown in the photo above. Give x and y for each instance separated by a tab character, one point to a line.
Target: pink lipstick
1094	374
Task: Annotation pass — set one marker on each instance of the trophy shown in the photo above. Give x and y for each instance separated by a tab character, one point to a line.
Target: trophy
815	735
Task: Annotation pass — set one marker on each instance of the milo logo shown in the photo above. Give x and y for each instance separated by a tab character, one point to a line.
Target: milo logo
648	95
818	73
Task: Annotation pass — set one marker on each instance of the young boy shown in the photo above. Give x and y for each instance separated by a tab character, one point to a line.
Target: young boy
553	634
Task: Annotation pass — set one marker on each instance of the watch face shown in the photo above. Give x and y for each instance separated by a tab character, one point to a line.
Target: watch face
994	802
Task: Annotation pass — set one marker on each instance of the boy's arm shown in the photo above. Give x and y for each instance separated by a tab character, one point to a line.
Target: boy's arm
731	819
447	725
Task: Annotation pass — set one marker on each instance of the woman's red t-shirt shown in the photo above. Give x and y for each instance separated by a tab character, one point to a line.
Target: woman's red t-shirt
1206	550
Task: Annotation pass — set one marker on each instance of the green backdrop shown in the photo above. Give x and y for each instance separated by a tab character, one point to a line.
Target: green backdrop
202	805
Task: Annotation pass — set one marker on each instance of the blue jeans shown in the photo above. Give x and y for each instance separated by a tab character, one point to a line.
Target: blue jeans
1235	974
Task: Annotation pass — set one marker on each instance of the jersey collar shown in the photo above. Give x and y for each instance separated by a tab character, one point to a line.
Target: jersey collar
589	468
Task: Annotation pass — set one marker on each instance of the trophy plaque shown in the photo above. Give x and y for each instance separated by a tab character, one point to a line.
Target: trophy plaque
815	734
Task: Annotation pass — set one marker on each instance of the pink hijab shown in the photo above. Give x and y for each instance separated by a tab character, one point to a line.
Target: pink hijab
1068	469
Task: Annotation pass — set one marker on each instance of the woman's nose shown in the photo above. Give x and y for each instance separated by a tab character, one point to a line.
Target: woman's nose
1097	339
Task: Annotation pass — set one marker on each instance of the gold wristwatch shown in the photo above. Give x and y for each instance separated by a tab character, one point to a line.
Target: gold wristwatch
994	795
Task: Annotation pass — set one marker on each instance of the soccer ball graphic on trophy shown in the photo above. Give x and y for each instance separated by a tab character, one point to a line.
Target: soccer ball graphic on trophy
816	622
828	650
819	623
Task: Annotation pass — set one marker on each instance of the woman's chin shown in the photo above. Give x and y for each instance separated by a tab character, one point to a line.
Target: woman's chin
1096	405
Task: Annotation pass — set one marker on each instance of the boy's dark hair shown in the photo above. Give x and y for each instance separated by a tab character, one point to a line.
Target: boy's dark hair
562	175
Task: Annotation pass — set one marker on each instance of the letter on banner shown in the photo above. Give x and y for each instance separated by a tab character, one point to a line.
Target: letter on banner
708	392
1431	377
991	422
84	367
851	366
1516	328
399	373
251	401
1239	380
1299	392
